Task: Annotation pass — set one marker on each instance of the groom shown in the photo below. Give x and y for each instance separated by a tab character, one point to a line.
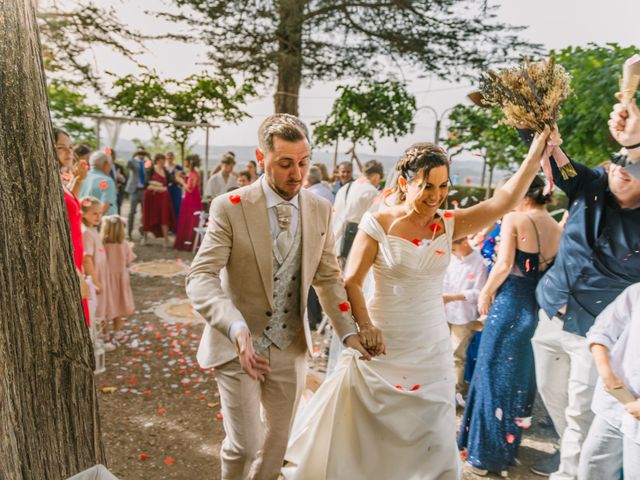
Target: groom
265	245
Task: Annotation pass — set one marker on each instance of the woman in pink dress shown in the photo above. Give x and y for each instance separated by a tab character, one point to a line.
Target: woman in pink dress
157	212
191	204
119	258
71	176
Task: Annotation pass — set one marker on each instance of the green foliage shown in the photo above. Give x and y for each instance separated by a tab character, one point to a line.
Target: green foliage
302	41
479	130
199	98
596	72
67	107
69	32
366	112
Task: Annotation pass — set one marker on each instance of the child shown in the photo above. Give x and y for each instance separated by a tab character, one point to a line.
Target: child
94	261
613	441
119	257
465	277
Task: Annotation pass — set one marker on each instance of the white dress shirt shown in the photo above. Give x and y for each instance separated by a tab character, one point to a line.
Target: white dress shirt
467	276
618	329
350	208
217	186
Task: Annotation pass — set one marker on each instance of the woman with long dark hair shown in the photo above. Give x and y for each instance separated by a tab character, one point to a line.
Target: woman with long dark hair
503	385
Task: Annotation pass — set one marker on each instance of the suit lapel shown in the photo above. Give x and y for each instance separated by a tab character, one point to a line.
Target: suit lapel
308	243
254	207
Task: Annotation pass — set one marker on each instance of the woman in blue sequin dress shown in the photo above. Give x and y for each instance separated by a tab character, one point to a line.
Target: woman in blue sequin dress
503	386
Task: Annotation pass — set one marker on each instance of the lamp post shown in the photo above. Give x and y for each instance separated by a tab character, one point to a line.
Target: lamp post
439	118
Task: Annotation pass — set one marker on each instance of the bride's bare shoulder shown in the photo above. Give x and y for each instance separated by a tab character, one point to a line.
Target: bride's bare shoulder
386	217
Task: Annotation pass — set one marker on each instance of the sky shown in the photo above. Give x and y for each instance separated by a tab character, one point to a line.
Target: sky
553	23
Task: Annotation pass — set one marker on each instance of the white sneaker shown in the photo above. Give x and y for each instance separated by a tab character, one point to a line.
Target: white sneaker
460	400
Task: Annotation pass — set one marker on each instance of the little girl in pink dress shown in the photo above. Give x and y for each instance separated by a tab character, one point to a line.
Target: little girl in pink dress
94	261
119	258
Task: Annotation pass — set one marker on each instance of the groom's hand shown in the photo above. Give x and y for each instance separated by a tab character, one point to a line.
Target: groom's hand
353	341
255	365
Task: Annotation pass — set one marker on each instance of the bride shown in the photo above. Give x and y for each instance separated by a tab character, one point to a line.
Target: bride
394	417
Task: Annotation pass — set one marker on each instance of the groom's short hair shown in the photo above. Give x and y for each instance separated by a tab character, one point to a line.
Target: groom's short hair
283	125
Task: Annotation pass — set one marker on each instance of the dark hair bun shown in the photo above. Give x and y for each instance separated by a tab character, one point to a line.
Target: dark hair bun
536	191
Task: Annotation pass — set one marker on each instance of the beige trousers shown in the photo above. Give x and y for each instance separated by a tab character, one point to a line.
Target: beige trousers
256	440
461	336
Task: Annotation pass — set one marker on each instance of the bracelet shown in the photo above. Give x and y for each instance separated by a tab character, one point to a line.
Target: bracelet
632	146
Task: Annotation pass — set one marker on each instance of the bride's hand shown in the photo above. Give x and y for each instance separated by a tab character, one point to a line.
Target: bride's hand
372	340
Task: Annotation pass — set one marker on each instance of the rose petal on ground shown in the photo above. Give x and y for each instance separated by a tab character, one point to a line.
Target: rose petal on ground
169	461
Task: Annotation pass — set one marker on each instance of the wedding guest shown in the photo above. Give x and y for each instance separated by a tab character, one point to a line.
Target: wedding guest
135	185
244	178
69	177
119	303
345	176
466	275
157	213
252	168
596	261
223	180
175	188
95	259
99	184
314	179
82	152
503	388
120	178
612	445
191	204
352	201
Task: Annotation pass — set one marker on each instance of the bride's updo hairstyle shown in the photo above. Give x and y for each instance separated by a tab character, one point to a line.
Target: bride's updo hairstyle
418	159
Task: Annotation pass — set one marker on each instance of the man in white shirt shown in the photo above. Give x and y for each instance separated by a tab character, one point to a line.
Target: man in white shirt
352	201
613	441
314	179
466	275
222	181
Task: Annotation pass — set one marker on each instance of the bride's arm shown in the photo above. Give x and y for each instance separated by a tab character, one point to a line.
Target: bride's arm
471	220
361	258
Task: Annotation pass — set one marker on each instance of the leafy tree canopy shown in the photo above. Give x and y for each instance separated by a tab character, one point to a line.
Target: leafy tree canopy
67	107
367	112
200	98
296	41
479	130
71	29
596	72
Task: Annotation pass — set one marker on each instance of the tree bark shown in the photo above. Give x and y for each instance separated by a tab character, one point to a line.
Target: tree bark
484	170
289	56
49	425
488	190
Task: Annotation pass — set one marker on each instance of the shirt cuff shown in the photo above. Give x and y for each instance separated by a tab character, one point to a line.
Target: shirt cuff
235	328
347	335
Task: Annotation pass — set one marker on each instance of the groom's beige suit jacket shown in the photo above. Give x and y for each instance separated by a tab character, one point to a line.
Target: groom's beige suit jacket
231	277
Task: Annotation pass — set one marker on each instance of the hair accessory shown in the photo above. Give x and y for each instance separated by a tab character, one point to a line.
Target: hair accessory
86	203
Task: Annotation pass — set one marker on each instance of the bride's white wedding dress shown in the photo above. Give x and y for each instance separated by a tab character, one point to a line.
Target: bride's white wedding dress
392	418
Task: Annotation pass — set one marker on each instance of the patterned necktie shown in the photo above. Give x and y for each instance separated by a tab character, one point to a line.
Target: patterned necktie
284	239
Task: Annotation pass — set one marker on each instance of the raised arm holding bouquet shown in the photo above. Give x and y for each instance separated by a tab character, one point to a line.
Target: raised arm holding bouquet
530	96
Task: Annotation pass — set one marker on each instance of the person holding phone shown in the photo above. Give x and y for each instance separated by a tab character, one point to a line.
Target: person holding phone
613	441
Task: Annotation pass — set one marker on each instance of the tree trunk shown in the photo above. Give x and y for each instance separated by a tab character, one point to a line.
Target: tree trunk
289	56
484	170
488	191
49	424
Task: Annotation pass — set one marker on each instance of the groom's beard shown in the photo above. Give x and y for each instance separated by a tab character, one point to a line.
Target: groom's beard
287	195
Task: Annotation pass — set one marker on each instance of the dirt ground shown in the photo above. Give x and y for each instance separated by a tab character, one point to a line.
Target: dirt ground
161	419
